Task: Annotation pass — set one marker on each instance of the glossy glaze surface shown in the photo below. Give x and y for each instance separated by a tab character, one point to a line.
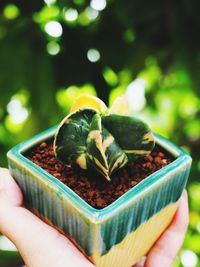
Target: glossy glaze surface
99	230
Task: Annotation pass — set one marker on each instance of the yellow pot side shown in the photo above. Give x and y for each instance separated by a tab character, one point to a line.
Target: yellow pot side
136	245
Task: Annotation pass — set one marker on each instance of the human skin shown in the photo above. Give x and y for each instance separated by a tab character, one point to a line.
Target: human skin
41	245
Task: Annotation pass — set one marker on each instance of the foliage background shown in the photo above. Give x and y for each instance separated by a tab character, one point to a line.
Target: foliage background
103	48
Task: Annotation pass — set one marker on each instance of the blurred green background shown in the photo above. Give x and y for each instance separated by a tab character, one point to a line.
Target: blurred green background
51	51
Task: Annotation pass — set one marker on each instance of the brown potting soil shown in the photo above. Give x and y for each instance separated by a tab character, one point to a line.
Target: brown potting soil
91	187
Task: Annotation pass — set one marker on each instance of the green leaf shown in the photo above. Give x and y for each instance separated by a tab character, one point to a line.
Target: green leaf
132	134
99	142
104	154
70	139
96	154
115	155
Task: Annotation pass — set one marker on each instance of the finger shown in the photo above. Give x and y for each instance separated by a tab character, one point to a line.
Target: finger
166	248
38	243
10	194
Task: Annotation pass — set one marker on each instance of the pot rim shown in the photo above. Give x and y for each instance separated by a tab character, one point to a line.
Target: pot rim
98	215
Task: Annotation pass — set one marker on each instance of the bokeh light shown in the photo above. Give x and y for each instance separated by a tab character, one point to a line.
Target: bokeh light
92	14
136	95
11	11
98	4
93	55
50	2
53	48
17	112
6	244
188	258
46	14
71	14
54	28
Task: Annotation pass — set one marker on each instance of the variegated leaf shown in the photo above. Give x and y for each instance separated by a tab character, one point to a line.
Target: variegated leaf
103	143
133	135
71	136
104	154
95	152
116	157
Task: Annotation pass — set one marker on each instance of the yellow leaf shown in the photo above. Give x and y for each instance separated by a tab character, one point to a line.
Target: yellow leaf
88	101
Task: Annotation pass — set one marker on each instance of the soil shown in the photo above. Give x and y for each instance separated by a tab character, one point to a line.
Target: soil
94	189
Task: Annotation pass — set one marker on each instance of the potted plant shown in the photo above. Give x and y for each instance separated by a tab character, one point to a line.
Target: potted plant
103	179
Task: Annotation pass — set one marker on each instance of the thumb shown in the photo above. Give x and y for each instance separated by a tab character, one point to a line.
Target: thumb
38	243
167	246
10	194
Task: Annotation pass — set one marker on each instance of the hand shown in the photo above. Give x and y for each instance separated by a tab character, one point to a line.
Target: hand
41	245
38	243
167	246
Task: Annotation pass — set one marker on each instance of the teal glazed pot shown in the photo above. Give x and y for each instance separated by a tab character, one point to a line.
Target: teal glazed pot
112	236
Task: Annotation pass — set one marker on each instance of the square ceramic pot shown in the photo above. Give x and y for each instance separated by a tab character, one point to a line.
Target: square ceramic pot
118	235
